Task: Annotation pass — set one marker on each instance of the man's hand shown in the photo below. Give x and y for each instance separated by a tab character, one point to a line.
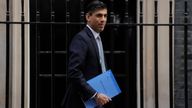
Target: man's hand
102	99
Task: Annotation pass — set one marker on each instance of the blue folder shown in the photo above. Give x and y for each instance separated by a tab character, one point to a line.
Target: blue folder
104	83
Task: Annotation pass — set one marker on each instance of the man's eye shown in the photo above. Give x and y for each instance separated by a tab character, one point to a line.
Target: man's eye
99	15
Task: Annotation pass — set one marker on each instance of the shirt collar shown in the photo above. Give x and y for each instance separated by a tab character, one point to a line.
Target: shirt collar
95	34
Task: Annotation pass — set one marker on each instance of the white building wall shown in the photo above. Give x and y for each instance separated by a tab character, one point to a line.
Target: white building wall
14	56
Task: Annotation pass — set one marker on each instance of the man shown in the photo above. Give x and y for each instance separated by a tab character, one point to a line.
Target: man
86	59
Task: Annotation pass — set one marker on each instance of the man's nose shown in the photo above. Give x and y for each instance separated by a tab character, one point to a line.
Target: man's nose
103	18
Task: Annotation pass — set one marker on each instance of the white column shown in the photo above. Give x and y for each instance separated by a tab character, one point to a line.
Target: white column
27	56
15	59
2	53
148	54
16	56
163	57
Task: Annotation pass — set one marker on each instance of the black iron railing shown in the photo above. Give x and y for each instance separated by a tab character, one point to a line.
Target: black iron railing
7	53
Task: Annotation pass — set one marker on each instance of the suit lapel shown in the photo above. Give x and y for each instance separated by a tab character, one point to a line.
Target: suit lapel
93	41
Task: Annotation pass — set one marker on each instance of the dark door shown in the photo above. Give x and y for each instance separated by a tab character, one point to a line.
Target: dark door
56	23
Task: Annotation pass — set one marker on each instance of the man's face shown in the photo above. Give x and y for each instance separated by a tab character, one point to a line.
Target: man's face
97	19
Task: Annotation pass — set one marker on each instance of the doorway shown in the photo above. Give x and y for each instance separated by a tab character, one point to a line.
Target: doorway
57	22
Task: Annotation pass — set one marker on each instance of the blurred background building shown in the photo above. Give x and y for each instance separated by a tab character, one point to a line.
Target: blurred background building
147	45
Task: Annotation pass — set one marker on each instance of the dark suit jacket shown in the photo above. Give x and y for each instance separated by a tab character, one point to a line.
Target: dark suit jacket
83	65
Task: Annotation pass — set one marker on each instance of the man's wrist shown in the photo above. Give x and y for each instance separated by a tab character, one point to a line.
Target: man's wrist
96	96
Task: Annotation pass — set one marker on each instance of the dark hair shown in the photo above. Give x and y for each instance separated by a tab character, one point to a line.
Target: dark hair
94	5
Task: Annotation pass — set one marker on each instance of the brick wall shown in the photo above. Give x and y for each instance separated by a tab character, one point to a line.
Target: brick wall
179	56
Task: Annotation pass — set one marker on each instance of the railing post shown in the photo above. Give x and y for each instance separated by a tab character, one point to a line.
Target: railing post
156	61
52	4
171	53
141	55
113	32
186	54
22	55
37	54
7	53
82	11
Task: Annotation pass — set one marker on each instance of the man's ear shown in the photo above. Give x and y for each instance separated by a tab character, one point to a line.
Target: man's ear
87	17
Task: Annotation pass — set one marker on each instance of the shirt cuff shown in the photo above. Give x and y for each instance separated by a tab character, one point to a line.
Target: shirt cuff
93	95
